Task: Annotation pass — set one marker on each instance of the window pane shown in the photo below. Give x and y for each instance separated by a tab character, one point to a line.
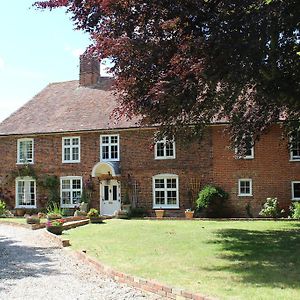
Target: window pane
295	145
105	152
75	141
159	197
115	192
171	197
171	183
76	197
114	152
106	193
75	154
76	184
245	187
159	183
105	140
296	187
67	154
67	142
65	184
160	149
169	149
114	139
66	197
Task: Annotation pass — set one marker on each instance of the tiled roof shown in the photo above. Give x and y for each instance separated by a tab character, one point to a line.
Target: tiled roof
66	106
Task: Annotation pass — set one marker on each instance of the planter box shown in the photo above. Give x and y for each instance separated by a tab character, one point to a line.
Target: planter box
96	220
55	229
30	220
49	218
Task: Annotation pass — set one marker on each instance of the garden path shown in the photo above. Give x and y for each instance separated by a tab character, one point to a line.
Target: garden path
32	267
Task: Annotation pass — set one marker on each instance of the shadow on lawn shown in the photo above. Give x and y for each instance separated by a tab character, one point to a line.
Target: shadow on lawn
262	258
18	261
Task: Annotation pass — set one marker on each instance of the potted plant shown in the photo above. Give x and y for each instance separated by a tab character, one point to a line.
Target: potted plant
189	213
54	212
55	226
159	213
20	212
93	214
33	220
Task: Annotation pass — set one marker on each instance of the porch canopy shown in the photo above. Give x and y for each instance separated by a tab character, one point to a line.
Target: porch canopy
106	170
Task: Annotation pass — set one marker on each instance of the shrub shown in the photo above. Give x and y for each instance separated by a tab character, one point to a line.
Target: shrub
2	208
93	213
211	198
208	195
137	212
271	209
295	209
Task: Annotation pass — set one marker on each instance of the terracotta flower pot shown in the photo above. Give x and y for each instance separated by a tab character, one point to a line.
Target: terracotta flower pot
189	214
20	212
159	213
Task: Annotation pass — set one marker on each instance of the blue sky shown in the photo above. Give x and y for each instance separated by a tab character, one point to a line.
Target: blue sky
37	47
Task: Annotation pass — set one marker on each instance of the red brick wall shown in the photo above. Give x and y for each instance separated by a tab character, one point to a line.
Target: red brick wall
195	164
192	163
270	170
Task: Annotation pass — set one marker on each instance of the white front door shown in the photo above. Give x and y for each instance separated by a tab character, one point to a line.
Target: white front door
110	197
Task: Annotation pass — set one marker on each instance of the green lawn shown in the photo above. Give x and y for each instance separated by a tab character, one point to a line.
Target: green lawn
229	260
15	220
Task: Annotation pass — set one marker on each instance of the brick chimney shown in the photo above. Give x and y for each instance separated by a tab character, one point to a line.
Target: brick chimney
89	73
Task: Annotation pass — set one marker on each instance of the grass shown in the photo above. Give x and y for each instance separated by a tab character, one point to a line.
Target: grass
225	259
20	220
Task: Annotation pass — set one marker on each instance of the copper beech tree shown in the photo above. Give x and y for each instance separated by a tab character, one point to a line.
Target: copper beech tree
183	64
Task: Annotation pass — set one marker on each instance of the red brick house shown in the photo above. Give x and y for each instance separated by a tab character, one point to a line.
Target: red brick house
66	131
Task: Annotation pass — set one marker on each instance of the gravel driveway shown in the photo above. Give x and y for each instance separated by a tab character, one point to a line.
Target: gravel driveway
31	267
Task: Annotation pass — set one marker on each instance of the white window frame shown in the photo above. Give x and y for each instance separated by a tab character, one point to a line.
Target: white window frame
19	149
292	157
109	144
71	178
165	156
251	156
293	191
26	179
70	161
250	194
165	189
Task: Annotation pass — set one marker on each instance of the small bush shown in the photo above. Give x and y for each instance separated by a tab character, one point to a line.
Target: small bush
295	209
211	198
93	213
137	212
208	195
271	209
2	208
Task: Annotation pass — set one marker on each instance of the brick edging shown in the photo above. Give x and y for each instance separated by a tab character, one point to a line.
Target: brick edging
220	219
57	239
138	282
